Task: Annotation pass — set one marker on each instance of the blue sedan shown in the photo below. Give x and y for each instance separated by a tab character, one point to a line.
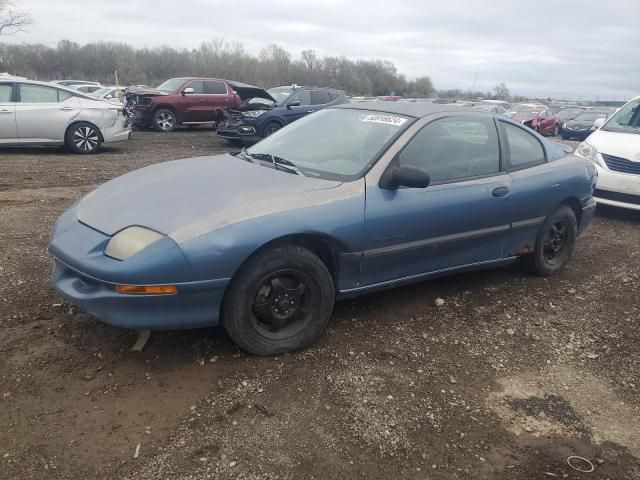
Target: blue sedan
346	201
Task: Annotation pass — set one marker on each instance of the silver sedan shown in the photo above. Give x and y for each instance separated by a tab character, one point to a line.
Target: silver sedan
40	113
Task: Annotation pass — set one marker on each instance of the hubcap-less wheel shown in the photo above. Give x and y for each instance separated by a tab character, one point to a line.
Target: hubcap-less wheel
165	120
271	129
280	307
86	139
555	241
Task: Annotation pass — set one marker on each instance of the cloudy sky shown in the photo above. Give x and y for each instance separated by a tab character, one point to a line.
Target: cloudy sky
562	48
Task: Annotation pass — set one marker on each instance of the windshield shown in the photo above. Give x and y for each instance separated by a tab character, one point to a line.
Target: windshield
171	85
100	92
626	120
528	112
280	94
590	116
569	114
333	144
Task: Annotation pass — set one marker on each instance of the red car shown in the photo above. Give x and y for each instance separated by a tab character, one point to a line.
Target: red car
186	101
541	120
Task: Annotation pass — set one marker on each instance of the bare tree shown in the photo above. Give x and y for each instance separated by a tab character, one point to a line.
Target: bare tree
11	20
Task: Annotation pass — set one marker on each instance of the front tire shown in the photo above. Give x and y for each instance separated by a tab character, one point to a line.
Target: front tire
280	300
83	138
270	129
164	120
554	244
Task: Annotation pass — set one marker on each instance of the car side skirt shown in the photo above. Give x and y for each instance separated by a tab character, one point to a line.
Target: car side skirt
397	282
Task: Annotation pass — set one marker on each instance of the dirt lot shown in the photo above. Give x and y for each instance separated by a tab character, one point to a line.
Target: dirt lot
509	378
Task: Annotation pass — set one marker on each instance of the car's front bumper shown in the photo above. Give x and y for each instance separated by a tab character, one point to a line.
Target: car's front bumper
578	134
618	189
86	277
239	132
197	304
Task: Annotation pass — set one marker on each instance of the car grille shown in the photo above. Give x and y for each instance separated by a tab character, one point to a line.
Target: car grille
618	197
619	164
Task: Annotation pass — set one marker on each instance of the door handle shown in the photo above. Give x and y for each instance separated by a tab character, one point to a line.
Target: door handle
310	111
67	109
500	192
5	111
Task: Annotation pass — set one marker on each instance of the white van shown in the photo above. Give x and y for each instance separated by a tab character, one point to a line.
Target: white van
615	149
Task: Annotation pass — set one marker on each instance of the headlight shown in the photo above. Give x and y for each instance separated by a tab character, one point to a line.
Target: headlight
564	125
130	241
587	152
253	113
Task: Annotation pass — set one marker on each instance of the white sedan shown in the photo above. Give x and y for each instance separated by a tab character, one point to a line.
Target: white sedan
38	113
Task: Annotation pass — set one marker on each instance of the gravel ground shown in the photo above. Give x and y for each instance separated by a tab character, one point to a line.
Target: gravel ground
506	380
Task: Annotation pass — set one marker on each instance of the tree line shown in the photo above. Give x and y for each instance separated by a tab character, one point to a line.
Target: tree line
214	58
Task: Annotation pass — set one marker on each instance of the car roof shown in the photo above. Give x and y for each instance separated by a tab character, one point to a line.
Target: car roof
50	85
410	109
309	87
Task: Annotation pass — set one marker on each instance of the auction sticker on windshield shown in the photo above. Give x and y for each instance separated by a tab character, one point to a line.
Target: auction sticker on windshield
386	119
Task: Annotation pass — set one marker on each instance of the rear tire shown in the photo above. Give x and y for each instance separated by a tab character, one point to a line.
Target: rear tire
556	131
554	244
164	120
280	300
83	138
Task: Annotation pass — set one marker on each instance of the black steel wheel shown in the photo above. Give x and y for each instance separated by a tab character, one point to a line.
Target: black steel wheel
555	243
279	301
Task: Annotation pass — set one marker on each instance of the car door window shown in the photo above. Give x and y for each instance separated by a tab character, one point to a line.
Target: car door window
454	148
215	88
198	87
6	92
38	94
320	97
64	95
524	149
304	97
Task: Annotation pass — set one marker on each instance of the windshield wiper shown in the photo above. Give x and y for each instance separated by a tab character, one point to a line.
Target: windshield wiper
279	163
246	155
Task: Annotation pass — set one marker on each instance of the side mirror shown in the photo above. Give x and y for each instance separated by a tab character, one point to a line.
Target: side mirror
187	91
599	122
293	104
405	176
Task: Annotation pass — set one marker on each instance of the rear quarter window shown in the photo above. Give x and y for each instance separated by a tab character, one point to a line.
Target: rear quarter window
525	150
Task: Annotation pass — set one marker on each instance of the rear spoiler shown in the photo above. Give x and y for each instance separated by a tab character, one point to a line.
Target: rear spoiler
246	91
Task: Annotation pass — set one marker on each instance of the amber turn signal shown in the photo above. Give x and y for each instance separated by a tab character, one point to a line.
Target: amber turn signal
147	290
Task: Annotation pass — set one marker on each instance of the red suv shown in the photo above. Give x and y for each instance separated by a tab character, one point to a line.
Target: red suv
186	101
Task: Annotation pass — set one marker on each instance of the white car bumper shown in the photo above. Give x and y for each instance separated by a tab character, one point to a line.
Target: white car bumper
118	132
618	189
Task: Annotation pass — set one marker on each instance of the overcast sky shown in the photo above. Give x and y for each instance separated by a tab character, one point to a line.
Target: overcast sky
562	48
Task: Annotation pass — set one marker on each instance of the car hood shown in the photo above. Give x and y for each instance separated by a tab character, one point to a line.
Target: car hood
147	91
580	124
169	196
246	92
618	144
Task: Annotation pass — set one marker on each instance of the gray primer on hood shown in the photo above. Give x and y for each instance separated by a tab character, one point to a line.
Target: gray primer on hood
168	196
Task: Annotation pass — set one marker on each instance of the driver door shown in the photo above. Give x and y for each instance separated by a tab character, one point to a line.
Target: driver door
461	218
293	113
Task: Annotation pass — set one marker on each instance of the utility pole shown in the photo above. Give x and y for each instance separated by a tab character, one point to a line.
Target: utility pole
473	89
